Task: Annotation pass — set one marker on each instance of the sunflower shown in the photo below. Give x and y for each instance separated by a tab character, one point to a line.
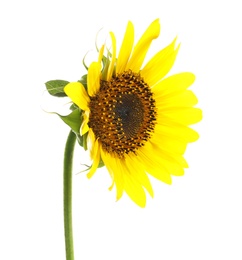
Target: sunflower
136	120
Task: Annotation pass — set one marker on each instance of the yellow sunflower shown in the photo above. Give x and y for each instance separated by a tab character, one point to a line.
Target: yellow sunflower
136	120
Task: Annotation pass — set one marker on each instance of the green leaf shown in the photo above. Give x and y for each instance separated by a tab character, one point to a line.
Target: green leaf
73	120
56	87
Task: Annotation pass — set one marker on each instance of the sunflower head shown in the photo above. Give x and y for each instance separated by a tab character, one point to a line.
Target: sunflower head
134	119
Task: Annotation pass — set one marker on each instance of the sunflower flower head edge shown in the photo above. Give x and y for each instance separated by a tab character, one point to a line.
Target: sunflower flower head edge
130	116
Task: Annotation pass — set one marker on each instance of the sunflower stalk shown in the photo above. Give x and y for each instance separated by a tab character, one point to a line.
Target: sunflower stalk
67	178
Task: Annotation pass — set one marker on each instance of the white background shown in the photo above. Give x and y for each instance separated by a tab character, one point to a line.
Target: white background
198	216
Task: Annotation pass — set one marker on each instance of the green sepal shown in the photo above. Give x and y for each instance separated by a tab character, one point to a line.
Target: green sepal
79	139
73	120
73	107
83	80
84	141
106	63
56	87
101	163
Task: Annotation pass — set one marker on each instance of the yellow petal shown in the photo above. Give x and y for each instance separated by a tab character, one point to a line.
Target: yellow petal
172	161
137	171
153	165
160	174
175	83
84	127
142	46
185	116
93	78
115	170
77	93
160	64
111	66
100	56
96	159
126	48
177	131
181	99
91	139
174	164
170	144
134	190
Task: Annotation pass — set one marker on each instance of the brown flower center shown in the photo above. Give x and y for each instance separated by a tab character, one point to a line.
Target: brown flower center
123	114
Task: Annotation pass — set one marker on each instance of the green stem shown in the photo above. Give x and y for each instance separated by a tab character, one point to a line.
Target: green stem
68	159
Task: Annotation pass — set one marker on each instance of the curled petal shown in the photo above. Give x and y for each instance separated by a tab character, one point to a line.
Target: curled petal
84	127
93	78
100	56
95	155
113	59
